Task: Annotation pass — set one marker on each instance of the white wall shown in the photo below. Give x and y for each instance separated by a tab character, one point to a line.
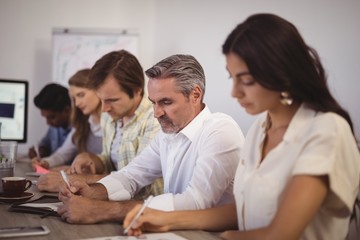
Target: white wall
166	27
200	27
25	39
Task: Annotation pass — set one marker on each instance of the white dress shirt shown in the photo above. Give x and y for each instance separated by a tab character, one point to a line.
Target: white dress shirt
315	144
198	165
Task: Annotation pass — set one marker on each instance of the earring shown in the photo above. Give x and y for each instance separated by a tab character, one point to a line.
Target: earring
286	99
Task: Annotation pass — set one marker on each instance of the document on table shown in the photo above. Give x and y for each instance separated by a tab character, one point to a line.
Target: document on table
51	206
147	236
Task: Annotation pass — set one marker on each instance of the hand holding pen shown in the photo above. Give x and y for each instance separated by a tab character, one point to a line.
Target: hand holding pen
65	178
141	211
76	187
37	151
65	192
37	159
39	162
141	218
34	151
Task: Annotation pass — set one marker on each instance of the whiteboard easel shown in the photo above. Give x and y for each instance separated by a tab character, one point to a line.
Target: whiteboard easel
75	49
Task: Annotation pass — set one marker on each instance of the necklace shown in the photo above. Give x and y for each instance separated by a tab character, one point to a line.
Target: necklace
269	126
278	127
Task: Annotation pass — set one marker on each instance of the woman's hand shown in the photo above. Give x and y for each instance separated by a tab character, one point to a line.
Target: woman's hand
150	221
38	161
83	163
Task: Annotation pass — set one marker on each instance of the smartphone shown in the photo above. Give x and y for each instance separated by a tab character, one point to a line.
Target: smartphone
23	231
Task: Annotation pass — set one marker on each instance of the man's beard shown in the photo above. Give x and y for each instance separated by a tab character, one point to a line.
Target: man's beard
167	125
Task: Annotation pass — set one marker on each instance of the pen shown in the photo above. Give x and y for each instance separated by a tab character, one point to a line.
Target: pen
64	176
146	203
36	148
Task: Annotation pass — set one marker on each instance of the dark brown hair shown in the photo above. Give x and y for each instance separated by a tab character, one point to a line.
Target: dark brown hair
124	67
280	60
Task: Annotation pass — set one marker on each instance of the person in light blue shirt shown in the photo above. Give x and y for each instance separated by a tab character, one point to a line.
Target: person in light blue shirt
55	105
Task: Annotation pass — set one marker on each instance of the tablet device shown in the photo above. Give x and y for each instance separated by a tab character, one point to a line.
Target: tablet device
6	232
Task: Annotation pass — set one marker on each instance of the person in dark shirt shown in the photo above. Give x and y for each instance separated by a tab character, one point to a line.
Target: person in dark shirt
55	105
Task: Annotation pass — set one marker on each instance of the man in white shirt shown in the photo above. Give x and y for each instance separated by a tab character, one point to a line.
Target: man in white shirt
196	153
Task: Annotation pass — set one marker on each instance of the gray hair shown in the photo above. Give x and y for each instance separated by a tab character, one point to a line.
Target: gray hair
186	70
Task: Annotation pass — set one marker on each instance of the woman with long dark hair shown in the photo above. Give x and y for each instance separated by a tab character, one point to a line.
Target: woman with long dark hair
299	173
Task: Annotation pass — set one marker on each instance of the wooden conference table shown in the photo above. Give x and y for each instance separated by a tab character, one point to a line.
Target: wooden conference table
62	230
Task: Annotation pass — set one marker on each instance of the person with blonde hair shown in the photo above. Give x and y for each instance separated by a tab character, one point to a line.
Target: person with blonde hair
86	134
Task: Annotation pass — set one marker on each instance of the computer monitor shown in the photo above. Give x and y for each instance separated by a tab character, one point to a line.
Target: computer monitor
13	110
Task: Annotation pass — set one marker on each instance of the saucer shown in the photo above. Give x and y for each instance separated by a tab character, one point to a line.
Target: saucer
25	196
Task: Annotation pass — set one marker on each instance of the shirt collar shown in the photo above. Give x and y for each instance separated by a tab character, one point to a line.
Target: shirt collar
143	106
91	120
301	117
196	124
68	129
95	128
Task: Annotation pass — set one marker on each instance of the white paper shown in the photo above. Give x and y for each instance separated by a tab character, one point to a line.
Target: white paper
148	236
52	206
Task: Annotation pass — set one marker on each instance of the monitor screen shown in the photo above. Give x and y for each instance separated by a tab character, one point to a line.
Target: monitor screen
13	110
